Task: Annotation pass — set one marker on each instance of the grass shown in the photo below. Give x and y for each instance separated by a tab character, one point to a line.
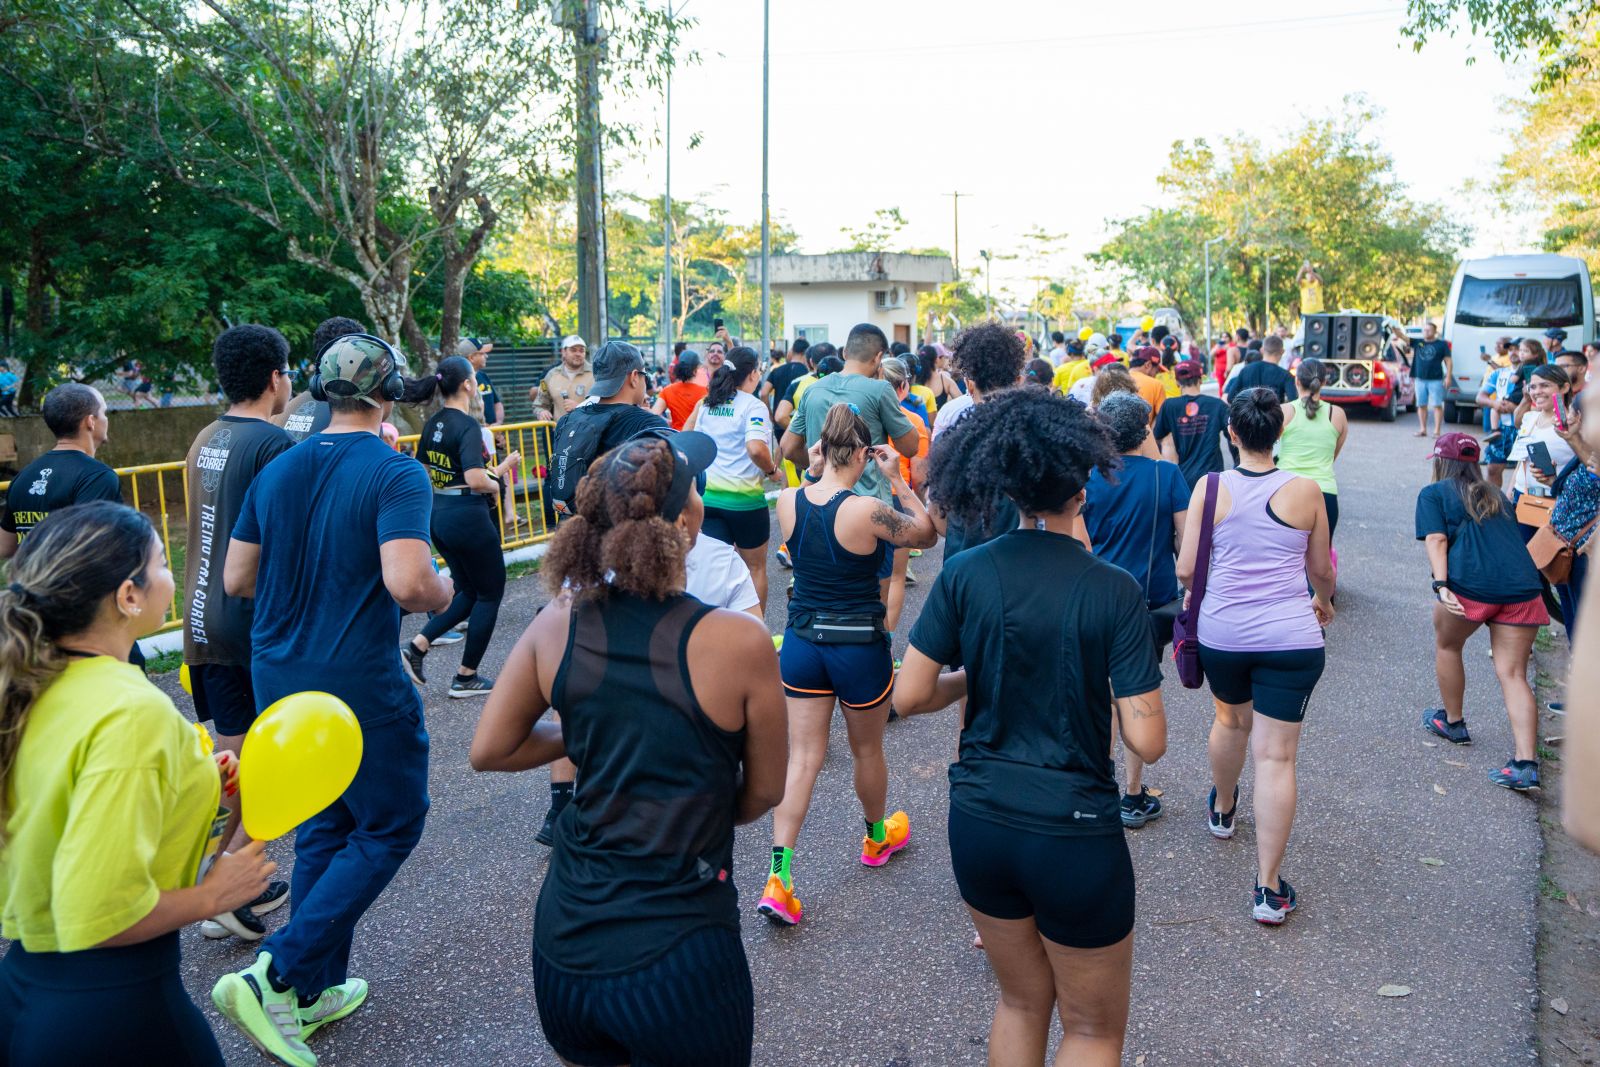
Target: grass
1549	890
1543	680
1548	754
165	663
1543	641
522	568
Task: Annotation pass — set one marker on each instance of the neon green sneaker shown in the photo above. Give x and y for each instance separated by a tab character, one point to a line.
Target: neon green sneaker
335	1003
271	1020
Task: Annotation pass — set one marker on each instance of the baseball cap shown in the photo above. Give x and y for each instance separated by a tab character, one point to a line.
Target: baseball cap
1147	354
1105	361
572	340
692	453
1189	371
1460	446
469	346
356	364
1096	344
612	365
1556	333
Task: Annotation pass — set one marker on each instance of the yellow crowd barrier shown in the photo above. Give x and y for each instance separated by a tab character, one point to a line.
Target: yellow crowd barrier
161	491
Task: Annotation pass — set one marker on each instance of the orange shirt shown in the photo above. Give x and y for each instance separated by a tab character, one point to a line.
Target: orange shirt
680	398
1153	392
922	448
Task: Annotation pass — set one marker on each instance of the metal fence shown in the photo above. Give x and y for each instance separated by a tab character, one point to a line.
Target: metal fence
161	491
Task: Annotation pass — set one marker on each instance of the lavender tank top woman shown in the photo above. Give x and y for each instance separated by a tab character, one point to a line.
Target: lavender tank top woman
1256	594
1260	633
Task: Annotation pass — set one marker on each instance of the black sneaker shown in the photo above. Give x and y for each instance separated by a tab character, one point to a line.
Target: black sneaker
411	660
1436	723
275	896
1272	906
1220	825
1517	775
471	685
240	922
1140	808
547	833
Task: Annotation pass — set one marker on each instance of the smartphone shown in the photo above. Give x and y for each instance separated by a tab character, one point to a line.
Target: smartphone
1539	456
1560	413
716	324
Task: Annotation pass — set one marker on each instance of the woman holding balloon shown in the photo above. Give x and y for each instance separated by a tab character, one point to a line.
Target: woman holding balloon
111	807
636	954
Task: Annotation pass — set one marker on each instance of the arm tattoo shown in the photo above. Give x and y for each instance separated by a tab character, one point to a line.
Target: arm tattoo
1140	707
891	520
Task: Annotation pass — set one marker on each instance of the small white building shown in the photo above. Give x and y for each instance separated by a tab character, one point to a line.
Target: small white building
825	296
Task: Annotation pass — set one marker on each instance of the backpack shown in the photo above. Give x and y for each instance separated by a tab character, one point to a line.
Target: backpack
576	444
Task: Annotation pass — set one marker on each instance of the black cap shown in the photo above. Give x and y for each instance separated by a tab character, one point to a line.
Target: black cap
692	454
612	365
1556	333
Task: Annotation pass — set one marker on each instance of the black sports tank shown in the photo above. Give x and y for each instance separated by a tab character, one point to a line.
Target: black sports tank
827	576
644	853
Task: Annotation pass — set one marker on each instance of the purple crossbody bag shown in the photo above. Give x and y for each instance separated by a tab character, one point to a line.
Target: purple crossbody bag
1186	627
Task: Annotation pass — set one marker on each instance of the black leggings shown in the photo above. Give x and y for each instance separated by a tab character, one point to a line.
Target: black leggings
102	1005
465	536
693	1007
1278	682
1332	502
1077	887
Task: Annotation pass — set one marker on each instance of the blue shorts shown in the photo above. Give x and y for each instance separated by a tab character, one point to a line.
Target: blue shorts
1498	450
1430	394
860	676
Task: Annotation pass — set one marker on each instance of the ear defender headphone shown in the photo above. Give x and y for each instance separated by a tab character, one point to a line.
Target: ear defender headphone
393	385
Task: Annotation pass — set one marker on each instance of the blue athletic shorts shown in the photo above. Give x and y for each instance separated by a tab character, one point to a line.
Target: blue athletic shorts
858	675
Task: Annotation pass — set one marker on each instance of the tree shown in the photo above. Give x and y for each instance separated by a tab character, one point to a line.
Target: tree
1512	26
878	235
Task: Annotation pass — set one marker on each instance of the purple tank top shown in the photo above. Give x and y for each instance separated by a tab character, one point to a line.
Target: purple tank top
1256	598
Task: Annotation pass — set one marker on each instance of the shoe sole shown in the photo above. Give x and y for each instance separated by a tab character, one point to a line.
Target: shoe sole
349	1009
1134	822
1508	787
776	913
416	679
243	933
271	905
232	997
1427	724
883	857
1267	916
462	694
212	930
1220	833
454	639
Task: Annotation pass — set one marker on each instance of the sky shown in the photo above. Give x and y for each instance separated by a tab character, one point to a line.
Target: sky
1052	114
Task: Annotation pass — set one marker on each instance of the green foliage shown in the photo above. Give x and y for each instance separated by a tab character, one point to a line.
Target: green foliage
1328	196
1512	27
878	235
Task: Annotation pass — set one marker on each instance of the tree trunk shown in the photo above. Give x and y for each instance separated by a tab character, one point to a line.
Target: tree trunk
33	321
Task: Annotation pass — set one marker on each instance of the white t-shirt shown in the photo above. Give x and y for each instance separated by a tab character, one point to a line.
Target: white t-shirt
1560	453
949	414
1083	390
733	481
717	576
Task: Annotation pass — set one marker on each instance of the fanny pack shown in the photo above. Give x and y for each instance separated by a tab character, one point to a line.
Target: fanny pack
832	628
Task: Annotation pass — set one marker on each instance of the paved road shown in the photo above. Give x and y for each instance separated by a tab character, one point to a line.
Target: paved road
882	971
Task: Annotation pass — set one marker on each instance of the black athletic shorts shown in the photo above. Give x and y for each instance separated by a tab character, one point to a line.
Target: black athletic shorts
1078	888
1278	683
742	529
693	1007
224	694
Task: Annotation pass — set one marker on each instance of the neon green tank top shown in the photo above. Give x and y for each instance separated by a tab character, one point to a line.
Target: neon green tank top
1306	447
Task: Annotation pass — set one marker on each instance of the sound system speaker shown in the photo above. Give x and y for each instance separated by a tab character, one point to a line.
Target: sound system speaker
1368	333
1341	344
1314	339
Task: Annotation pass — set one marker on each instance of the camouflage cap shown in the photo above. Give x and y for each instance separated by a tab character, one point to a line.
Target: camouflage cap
356	364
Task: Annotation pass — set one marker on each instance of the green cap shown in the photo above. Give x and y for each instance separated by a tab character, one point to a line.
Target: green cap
356	364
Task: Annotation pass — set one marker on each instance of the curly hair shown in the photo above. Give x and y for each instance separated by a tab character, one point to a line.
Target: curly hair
330	329
617	540
1113	379
1030	445
245	357
990	356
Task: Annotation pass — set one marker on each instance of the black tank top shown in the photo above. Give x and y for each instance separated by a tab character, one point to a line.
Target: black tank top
827	576
644	853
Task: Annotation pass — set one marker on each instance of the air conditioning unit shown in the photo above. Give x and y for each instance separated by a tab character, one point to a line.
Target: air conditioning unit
887	299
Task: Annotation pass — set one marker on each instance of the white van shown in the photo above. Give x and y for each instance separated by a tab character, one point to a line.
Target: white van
1511	296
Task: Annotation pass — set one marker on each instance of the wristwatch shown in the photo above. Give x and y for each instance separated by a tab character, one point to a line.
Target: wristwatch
1438	584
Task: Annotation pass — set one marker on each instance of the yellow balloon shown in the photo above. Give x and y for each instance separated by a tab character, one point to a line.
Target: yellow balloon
1147	323
299	756
1086	333
183	679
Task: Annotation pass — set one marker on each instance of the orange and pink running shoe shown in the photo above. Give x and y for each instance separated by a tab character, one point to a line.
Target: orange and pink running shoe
897	833
778	903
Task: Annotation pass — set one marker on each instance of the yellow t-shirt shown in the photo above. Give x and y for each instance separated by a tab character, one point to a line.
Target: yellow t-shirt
923	393
1169	382
1069	374
112	801
1310	297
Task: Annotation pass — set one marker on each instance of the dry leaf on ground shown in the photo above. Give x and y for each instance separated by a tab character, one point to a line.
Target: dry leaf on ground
1394	991
1437	788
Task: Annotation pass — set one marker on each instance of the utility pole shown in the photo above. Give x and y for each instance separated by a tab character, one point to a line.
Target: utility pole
988	277
1207	247
766	229
582	17
1266	299
955	204
666	199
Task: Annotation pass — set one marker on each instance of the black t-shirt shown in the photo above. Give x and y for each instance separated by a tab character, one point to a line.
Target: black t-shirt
1427	360
1488	561
305	416
1263	375
623	421
490	398
781	377
59	478
958	536
1195	424
1048	634
224	459
451	445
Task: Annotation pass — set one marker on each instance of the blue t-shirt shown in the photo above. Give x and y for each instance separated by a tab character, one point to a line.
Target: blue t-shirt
8	383
323	618
1427	360
1124	517
1487	560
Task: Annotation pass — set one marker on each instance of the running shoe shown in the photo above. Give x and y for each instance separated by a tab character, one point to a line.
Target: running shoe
1517	775
1436	723
334	1004
547	833
471	685
449	637
911	579
1140	809
1220	825
897	832
778	903
783	558
247	919
1272	906
916	553
411	660
271	1020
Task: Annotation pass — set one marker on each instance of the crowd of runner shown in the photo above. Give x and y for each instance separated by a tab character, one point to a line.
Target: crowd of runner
1096	507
